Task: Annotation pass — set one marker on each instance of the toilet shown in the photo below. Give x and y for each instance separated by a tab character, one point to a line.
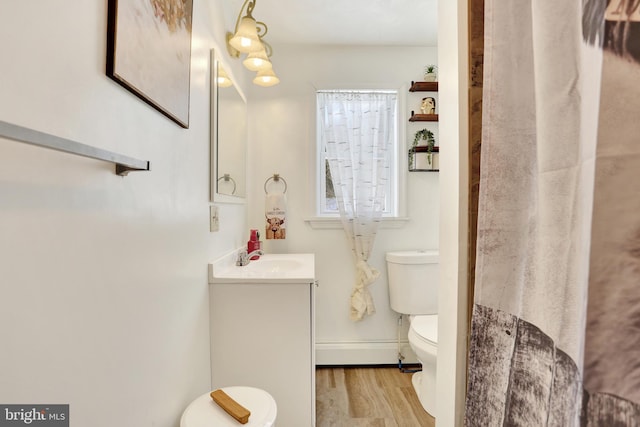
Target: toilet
413	290
204	412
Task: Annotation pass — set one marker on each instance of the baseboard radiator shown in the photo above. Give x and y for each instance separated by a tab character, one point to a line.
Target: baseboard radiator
363	353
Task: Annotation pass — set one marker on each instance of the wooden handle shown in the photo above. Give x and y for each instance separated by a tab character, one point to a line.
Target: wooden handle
231	407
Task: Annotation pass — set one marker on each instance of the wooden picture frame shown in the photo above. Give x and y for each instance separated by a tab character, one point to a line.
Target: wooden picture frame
149	52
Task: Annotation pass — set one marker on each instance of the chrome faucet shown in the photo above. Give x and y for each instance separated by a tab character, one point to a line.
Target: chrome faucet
244	258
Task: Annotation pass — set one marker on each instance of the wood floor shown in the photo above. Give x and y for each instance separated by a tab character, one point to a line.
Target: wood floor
367	397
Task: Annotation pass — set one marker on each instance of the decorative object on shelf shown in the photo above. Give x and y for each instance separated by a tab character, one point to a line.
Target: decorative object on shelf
430	73
424	87
423	157
428	105
154	65
248	37
424	135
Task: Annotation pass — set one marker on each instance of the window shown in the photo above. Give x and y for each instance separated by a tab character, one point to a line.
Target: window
352	103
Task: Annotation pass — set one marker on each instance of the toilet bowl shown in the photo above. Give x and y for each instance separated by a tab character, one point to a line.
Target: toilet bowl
423	339
204	412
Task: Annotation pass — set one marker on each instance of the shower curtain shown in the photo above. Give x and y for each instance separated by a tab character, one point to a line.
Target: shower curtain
555	334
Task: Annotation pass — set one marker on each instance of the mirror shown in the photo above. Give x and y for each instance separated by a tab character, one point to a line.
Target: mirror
228	137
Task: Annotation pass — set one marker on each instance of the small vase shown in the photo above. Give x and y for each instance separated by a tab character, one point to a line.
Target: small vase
430	77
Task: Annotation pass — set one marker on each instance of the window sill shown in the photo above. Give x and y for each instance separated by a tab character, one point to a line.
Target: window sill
329	222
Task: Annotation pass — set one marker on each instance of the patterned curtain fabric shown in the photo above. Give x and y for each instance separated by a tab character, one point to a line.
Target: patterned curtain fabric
558	248
356	129
612	344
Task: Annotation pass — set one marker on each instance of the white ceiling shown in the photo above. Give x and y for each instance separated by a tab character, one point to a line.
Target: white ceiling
344	22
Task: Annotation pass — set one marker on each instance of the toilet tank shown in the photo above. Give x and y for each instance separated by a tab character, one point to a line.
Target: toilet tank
413	281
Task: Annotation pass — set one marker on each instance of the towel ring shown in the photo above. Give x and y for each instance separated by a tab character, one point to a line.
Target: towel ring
228	178
276	177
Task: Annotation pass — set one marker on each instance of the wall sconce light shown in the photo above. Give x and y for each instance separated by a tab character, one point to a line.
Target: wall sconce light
248	39
223	77
266	78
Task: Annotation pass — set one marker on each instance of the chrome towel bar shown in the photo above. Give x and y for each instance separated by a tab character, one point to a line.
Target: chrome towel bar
124	164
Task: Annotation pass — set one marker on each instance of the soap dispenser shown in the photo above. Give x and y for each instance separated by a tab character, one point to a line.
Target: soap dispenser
254	243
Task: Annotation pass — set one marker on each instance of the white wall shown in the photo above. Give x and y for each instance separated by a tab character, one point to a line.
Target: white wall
454	163
282	140
103	279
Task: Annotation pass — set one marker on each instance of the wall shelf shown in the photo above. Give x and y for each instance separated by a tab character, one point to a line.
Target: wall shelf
421	160
423	117
123	164
424	149
423	87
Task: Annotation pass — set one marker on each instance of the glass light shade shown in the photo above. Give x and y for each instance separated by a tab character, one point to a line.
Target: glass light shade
246	39
223	79
257	61
266	78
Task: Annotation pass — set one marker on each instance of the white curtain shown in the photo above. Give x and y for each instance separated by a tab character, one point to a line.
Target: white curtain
357	131
539	218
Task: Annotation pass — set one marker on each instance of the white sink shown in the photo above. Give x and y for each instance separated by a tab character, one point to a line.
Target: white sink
280	268
270	266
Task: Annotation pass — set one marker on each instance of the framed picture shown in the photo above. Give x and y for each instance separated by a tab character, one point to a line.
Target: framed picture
149	52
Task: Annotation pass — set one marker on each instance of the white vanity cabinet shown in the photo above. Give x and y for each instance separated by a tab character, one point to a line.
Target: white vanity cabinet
262	332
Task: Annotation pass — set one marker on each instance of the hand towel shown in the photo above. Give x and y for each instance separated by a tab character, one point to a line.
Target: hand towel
275	213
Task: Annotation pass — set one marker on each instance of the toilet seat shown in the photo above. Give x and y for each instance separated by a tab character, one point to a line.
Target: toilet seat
204	412
425	328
